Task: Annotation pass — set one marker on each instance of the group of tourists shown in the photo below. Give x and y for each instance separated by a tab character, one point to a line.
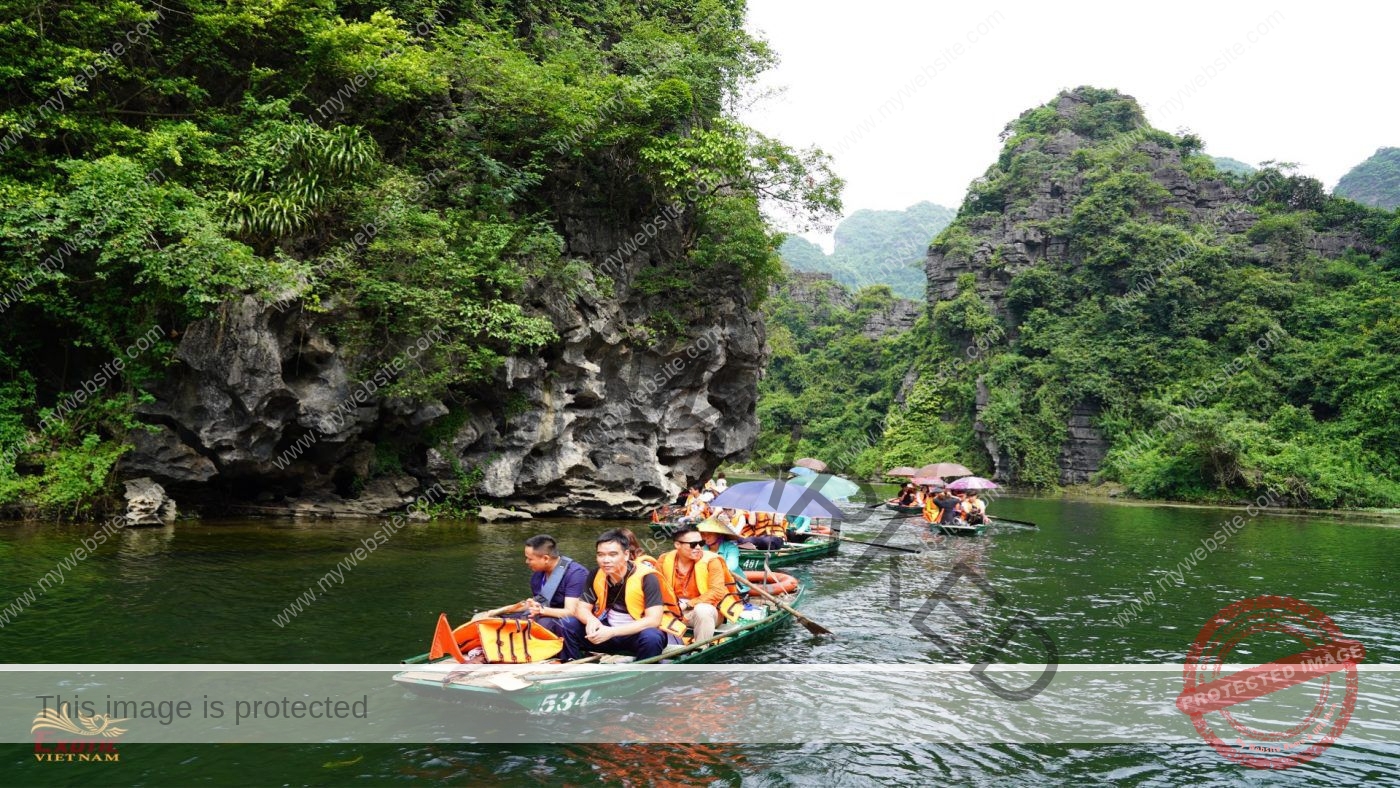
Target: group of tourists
631	604
757	530
944	506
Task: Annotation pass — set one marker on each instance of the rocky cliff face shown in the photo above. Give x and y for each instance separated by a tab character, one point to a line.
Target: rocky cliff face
1027	230
265	409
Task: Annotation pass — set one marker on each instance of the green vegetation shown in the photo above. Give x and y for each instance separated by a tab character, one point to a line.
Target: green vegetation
1231	166
828	384
394	168
875	248
1220	364
1374	182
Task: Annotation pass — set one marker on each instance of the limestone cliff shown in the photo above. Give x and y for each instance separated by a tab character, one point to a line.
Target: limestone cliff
1023	213
265	408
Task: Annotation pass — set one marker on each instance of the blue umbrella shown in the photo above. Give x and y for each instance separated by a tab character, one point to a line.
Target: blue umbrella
798	470
833	487
777	497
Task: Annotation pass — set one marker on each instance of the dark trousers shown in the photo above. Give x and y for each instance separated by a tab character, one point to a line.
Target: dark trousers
644	644
767	542
571	630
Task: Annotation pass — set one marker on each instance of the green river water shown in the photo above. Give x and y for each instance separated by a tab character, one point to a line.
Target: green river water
212	591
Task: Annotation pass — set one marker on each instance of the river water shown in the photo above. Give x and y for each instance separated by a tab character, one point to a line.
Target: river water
214	592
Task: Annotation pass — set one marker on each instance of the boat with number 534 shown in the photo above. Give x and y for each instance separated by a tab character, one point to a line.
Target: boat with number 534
553	687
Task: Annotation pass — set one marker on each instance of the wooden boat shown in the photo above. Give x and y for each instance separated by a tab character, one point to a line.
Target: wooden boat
791	552
959	529
554	687
903	509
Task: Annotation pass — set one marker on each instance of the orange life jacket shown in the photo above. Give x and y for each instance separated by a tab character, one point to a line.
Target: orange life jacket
729	606
509	640
635	597
931	511
768	524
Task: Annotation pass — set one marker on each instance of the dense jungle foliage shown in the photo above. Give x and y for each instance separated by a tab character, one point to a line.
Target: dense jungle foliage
399	163
875	248
1220	362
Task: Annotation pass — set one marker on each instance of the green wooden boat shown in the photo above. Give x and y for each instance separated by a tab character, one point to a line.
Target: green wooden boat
556	688
791	553
959	529
903	509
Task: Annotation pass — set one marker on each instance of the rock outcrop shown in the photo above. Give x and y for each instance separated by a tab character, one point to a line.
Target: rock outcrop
147	503
264	409
1035	189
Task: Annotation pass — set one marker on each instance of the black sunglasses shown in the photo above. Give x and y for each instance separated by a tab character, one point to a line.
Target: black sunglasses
691	544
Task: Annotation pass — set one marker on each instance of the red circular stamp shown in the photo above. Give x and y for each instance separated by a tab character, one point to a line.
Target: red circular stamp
1208	697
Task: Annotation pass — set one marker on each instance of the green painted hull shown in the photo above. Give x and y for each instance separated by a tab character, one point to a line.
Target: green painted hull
549	690
959	530
792	553
816	547
904	509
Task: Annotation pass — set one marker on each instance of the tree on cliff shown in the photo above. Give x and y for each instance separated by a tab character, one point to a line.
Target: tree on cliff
397	166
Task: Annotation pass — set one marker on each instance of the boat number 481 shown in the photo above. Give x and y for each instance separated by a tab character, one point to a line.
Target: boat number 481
563	701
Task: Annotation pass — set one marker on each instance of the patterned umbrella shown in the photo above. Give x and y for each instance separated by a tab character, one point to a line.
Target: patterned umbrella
944	469
785	498
973	483
903	470
813	463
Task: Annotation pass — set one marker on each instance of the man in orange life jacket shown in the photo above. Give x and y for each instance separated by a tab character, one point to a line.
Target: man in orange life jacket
697	585
622	608
556	583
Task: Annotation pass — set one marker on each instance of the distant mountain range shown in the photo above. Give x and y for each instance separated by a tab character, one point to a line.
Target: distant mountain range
1374	182
876	248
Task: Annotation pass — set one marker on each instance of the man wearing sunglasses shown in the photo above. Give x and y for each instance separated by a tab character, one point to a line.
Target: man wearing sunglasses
697	586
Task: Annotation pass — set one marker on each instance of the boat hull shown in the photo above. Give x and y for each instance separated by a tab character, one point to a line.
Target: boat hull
959	530
903	509
790	554
556	689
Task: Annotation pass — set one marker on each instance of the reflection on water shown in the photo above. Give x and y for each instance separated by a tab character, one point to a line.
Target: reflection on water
196	592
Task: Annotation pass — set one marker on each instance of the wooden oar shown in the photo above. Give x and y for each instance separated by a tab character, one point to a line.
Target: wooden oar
873	544
699	644
812	626
999	519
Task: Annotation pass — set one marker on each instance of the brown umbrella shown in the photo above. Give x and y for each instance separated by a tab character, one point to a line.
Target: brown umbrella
903	470
944	469
813	463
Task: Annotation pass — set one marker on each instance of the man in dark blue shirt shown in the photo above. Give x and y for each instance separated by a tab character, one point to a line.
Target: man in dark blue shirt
555	585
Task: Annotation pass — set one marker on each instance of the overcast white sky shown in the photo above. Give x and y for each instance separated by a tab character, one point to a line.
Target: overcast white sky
1311	83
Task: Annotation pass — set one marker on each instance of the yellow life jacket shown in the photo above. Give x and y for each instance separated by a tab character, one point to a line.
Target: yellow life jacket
635	597
503	640
730	606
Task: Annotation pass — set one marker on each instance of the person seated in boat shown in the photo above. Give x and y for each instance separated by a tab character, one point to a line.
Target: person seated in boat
944	508
721	483
974	509
696	508
635	551
908	496
622	608
765	530
697	586
739	524
722	540
799	529
556	583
